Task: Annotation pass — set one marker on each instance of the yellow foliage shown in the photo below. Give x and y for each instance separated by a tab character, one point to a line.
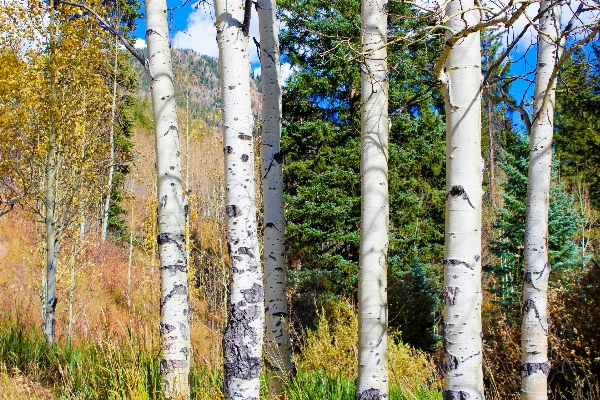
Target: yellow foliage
332	347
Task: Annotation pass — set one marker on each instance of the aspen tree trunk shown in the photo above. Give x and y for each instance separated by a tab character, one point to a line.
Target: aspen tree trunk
534	334
52	245
372	382
174	306
111	168
463	372
278	345
243	337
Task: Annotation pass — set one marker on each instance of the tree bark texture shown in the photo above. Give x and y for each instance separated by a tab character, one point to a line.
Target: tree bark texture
278	345
372	382
462	330
243	337
534	334
174	306
52	245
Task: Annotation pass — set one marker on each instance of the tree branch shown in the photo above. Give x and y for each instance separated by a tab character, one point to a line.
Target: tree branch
247	16
105	25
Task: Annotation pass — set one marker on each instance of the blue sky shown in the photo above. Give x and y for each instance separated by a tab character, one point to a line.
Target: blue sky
193	28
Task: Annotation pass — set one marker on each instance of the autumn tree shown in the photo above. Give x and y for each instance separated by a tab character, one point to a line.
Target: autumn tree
55	153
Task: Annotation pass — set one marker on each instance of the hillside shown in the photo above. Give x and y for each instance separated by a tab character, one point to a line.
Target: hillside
197	85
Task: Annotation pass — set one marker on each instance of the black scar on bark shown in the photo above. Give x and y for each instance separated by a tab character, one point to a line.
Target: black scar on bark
163	202
167	237
166	328
177	289
51	305
281	314
245	157
243	136
166	366
531	368
278	157
172	127
450	294
227	149
456	395
245	250
237	338
529	275
454	261
232	210
451	362
458	190
529	305
370	394
271	225
255	294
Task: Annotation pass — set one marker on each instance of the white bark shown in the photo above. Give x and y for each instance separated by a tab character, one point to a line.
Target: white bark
51	243
243	337
534	335
278	345
372	382
111	168
175	311
52	246
463	372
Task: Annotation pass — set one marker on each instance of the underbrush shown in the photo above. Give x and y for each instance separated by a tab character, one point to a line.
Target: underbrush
124	368
115	368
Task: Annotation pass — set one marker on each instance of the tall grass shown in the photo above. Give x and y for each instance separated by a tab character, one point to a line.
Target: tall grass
111	369
127	368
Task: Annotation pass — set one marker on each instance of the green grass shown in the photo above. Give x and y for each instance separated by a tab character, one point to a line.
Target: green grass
122	368
313	385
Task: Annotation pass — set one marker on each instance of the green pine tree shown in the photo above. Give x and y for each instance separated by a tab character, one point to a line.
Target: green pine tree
564	221
321	143
577	135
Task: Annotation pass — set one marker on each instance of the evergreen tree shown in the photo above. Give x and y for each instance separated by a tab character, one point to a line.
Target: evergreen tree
564	220
321	142
577	134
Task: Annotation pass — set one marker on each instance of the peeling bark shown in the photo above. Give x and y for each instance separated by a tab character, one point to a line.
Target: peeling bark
461	81
372	381
534	332
174	307
243	338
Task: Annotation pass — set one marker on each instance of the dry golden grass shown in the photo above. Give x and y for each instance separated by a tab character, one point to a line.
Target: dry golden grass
15	386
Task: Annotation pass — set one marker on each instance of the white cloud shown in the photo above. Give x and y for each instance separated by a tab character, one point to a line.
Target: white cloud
201	35
286	71
140	43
